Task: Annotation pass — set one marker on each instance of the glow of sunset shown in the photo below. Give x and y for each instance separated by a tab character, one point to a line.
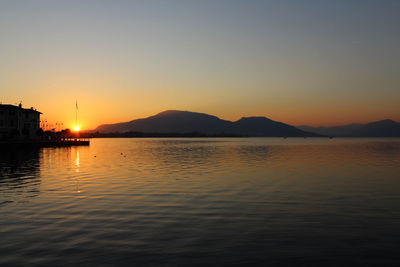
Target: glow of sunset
299	62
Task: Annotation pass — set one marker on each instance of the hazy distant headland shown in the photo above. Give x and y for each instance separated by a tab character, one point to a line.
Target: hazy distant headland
383	128
185	123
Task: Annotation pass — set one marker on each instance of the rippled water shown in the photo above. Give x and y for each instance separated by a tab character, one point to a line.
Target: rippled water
196	202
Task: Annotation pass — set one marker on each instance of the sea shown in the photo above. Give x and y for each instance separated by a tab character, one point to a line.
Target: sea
202	202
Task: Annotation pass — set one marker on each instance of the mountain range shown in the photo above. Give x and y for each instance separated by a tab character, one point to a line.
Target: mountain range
184	122
175	121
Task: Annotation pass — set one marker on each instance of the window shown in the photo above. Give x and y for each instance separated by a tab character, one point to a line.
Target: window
12	112
26	115
12	123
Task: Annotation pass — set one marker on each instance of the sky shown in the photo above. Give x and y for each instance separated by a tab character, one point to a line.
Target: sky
311	62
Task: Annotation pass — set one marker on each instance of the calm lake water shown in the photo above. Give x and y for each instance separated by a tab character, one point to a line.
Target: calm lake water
199	202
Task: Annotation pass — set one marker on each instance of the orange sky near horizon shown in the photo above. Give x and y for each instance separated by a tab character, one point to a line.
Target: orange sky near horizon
92	113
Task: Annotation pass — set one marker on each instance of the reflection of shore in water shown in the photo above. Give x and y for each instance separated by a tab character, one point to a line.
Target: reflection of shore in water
19	175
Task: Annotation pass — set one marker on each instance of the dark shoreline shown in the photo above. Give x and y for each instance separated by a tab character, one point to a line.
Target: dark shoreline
152	135
179	135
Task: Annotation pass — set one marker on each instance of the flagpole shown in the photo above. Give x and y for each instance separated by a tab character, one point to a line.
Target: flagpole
76	113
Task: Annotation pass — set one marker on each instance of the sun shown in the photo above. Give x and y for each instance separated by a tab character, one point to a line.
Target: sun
76	128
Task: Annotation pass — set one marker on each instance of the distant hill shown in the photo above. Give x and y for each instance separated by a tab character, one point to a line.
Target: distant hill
174	121
344	130
384	128
262	126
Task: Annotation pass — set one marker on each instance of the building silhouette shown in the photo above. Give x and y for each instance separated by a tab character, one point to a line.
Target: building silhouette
19	123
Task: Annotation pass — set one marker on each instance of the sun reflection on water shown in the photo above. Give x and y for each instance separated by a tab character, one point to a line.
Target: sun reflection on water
77	163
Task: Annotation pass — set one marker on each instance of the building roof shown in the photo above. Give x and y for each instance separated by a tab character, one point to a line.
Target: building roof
8	106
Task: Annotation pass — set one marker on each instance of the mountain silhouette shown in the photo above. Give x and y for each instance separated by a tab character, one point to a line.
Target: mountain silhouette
175	121
343	130
383	128
262	126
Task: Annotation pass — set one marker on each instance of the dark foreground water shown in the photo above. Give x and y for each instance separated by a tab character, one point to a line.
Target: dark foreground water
202	202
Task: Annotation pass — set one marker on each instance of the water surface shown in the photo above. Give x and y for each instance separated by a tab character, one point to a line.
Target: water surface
196	202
